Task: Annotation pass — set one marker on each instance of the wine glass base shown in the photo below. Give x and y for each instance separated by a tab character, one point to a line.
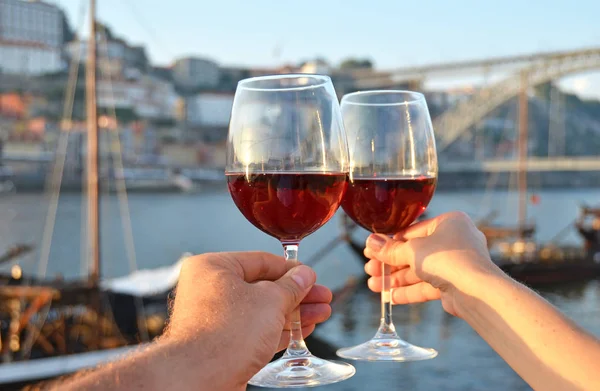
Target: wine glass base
387	349
303	371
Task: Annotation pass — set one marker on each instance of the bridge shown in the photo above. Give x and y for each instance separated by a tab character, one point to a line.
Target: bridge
539	68
454	123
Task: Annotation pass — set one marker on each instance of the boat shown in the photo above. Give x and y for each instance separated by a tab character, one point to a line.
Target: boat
52	327
514	248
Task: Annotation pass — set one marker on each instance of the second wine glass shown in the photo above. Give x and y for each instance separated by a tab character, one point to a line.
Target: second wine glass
393	174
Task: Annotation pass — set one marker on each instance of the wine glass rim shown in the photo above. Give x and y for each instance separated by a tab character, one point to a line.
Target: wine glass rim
417	97
323	80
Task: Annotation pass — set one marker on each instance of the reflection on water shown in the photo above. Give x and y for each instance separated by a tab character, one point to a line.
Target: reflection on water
166	225
354	308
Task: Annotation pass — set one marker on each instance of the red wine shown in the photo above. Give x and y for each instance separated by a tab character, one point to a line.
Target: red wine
387	205
288	206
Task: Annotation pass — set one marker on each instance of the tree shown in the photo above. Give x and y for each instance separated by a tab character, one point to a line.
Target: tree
356	63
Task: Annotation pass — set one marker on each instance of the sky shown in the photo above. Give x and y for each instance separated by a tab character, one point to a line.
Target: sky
392	33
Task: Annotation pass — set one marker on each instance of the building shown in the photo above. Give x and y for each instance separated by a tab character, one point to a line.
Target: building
136	57
159	100
32	34
317	67
13	105
146	97
192	73
208	113
163	73
230	76
114	57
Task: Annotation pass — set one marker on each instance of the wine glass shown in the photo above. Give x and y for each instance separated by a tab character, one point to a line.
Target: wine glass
287	171
393	175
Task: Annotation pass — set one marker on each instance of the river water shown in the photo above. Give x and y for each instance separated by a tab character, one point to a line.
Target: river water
167	225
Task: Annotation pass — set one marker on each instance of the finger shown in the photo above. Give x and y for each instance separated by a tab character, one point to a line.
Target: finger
260	265
418	230
318	294
398	279
373	268
312	314
416	293
251	266
427	227
285	336
295	285
393	252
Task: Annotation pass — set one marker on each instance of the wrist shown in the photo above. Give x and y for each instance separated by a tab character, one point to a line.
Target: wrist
477	288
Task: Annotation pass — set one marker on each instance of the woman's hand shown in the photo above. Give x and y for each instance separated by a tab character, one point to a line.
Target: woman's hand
431	260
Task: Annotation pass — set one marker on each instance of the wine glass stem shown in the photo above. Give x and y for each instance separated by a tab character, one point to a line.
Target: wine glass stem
386	326
296	347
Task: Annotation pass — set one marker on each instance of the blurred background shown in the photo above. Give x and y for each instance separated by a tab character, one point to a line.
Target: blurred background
513	89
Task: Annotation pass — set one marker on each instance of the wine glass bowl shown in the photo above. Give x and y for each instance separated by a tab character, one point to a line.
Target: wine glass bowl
393	175
287	171
388	205
288	206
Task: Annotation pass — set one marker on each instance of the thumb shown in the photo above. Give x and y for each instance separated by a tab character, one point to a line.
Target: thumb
295	284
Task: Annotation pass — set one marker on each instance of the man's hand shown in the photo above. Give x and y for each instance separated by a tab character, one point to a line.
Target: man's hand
236	305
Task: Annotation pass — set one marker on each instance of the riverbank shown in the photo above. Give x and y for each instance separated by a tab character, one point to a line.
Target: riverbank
35	182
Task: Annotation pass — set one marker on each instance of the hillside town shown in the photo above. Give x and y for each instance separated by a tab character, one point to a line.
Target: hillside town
177	114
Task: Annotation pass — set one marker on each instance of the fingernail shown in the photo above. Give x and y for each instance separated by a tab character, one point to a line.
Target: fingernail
303	276
375	242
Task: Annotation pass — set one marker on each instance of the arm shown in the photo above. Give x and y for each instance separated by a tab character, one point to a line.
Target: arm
446	258
161	366
543	346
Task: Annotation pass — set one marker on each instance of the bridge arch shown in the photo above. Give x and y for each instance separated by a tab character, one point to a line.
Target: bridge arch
450	125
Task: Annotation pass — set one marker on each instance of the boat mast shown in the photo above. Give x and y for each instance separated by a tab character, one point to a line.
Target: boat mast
92	153
522	151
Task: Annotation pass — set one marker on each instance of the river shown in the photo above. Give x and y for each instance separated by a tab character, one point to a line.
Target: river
167	225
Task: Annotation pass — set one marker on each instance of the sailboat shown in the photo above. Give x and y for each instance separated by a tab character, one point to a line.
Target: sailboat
524	231
515	250
52	327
